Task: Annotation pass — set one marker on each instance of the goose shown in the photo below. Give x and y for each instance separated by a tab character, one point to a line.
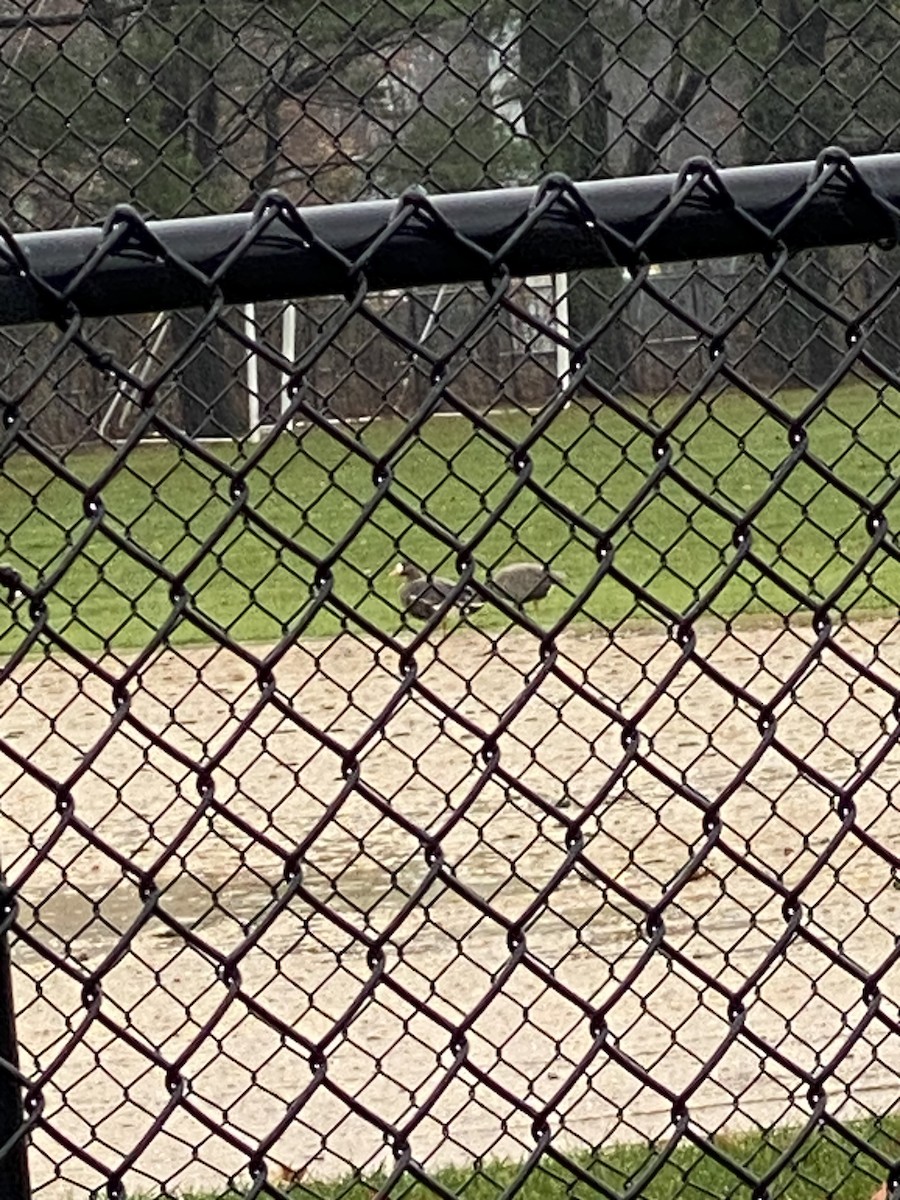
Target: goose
423	596
525	583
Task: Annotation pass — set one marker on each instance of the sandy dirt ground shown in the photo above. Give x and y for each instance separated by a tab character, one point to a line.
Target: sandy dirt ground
324	909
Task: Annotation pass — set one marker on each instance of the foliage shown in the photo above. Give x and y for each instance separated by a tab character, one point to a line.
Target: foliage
186	105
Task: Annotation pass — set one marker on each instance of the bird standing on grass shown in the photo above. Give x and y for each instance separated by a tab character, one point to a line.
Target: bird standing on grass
424	596
525	583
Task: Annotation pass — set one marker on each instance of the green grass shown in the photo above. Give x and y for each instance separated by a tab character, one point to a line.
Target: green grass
311	490
794	1164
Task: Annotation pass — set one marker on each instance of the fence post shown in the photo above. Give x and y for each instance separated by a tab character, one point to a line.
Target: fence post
14	1182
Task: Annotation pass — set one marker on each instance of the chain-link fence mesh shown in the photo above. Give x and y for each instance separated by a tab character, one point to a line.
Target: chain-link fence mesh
328	882
593	888
187	107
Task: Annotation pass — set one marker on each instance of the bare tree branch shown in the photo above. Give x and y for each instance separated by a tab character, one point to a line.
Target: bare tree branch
374	42
683	82
297	84
27	21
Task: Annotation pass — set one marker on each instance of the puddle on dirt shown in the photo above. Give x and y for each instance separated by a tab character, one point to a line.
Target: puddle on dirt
223	912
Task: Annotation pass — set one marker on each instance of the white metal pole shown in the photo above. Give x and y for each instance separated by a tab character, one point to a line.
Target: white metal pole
252	374
432	318
561	312
288	351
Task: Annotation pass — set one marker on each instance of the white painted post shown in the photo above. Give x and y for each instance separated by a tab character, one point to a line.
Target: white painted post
288	351
252	375
561	314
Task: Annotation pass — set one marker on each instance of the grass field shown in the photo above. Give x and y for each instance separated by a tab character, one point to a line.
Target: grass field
311	490
821	1166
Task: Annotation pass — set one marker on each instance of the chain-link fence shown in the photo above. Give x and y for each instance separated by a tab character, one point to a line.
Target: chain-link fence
566	860
593	889
186	107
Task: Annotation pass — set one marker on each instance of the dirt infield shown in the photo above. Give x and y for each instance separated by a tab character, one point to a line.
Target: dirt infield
443	960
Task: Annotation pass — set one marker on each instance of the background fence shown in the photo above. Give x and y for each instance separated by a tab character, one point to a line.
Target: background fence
303	893
189	107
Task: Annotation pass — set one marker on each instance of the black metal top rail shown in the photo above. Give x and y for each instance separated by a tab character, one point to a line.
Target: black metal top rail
279	251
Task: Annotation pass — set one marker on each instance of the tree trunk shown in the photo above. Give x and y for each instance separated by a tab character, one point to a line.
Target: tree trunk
188	125
795	116
796	111
210	395
566	111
